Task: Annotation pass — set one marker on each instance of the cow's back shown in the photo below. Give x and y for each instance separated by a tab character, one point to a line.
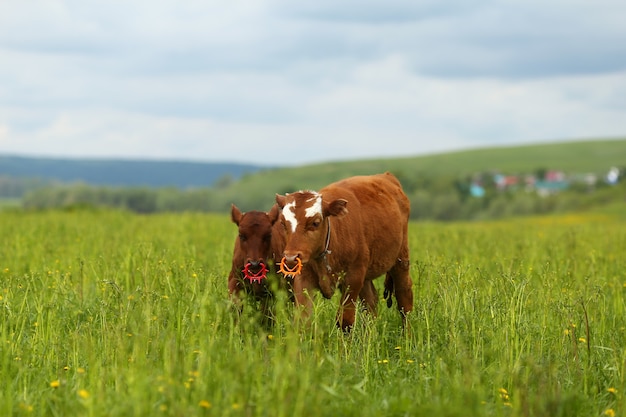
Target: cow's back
376	224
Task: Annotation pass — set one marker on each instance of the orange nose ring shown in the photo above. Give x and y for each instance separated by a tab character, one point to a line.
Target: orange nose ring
295	270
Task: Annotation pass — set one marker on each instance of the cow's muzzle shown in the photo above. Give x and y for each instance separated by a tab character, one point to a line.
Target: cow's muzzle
290	266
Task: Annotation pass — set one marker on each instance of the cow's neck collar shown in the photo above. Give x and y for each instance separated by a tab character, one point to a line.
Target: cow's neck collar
326	251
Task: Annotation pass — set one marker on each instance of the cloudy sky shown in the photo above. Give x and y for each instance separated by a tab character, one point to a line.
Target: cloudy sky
290	82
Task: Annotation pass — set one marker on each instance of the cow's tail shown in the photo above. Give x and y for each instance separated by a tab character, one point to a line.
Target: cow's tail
388	290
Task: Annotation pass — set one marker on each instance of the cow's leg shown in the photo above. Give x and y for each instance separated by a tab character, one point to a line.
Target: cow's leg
401	280
388	293
402	284
347	310
369	295
303	290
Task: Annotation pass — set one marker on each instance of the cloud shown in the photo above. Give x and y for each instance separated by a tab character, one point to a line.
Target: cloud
306	81
372	11
385	110
478	39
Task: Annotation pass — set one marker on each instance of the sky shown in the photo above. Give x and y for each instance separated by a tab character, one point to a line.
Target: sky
278	82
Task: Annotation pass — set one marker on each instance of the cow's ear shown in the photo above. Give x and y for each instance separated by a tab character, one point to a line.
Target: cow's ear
281	201
235	214
337	208
273	213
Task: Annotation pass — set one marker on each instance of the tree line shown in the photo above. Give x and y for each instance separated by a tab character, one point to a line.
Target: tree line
438	198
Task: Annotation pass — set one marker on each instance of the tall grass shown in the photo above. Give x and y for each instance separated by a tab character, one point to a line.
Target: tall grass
110	313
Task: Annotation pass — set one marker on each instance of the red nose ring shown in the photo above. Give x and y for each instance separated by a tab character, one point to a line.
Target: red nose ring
295	270
255	276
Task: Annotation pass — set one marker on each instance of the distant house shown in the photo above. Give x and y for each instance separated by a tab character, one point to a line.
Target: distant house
613	176
588	180
546	188
505	182
477	190
550	182
529	182
554	176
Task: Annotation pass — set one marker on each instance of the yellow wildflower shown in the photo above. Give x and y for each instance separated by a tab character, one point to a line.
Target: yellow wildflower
612	390
26	407
83	393
204	404
504	395
55	384
609	412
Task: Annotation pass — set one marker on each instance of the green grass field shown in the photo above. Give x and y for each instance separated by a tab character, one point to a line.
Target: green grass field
108	313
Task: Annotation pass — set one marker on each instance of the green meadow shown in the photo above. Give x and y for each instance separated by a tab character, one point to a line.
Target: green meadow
108	313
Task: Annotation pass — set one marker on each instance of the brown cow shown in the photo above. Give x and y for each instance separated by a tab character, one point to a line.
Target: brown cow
347	234
260	238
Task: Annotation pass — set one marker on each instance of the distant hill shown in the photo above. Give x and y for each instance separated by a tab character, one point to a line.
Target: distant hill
575	157
438	186
121	172
248	180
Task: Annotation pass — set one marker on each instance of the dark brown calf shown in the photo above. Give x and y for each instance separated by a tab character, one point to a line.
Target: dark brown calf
260	239
346	235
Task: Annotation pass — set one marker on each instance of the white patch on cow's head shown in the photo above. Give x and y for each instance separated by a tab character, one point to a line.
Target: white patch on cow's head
289	213
315	207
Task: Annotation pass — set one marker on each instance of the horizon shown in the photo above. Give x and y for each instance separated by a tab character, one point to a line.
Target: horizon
238	163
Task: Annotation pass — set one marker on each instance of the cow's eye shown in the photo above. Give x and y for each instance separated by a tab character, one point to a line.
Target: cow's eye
267	238
315	224
242	237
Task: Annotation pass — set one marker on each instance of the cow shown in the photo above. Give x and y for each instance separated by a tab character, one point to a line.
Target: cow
260	239
346	235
